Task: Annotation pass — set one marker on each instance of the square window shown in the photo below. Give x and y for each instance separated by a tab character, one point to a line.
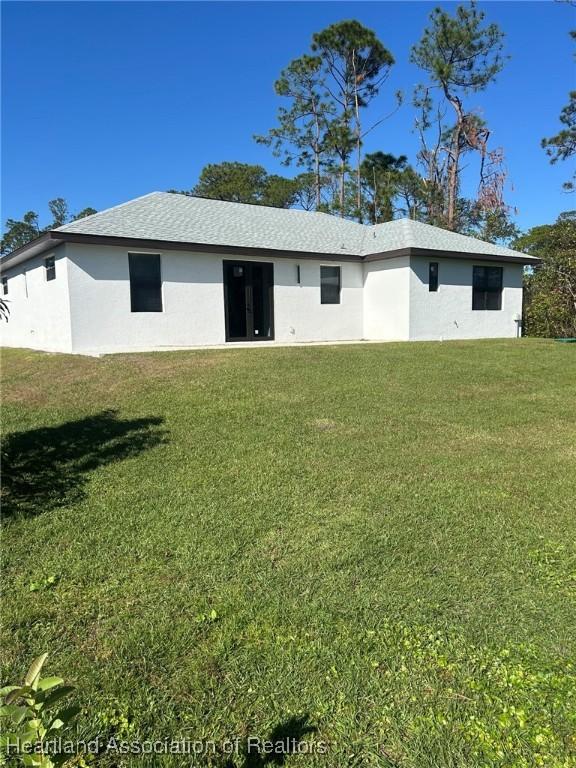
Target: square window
487	288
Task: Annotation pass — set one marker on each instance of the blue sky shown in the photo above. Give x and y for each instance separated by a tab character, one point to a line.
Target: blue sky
105	101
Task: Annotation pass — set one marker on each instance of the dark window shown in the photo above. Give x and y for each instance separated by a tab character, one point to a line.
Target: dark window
298	278
145	282
487	288
433	276
330	285
50	265
5	286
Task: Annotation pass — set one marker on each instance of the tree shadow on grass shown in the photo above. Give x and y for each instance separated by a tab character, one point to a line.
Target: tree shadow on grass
48	467
284	739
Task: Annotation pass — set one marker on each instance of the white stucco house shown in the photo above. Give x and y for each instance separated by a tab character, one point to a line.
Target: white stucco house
169	271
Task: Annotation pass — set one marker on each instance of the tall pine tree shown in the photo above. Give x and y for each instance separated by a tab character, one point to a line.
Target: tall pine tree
461	55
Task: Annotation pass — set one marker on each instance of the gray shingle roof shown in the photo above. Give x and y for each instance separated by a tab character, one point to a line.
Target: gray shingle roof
178	218
169	216
406	233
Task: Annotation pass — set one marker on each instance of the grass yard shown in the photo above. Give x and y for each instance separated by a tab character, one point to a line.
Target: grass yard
371	546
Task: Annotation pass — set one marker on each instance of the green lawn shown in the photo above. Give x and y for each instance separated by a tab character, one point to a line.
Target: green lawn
367	546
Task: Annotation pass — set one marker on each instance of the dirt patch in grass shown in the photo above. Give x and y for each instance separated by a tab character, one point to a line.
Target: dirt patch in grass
78	380
324	425
163	365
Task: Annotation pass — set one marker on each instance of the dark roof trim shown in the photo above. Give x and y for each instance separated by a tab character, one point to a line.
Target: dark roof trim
39	245
54	238
432	253
174	245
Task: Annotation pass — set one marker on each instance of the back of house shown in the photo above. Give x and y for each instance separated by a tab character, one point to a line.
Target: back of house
169	271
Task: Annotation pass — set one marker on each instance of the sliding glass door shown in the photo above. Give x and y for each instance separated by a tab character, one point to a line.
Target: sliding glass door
249	300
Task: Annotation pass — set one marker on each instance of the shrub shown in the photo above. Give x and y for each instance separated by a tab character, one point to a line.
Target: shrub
30	717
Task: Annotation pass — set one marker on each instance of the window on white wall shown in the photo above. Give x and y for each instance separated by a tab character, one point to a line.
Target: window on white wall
487	287
433	276
4	286
145	282
50	266
330	283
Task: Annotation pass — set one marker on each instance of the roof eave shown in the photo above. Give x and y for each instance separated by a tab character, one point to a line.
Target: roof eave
36	247
54	238
177	245
435	253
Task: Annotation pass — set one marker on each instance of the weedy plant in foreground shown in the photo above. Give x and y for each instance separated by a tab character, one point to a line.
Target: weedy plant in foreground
30	717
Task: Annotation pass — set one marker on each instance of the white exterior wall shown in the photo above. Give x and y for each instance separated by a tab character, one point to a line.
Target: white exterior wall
298	313
448	314
86	309
102	321
386	296
193	301
39	309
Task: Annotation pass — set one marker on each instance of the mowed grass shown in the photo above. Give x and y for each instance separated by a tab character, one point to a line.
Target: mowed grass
370	547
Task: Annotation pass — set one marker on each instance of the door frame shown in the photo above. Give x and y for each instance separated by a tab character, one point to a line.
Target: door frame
270	292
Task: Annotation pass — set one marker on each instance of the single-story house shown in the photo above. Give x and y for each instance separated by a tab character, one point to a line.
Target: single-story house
168	271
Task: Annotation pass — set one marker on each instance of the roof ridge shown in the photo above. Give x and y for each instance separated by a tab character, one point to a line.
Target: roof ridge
407	228
371	232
